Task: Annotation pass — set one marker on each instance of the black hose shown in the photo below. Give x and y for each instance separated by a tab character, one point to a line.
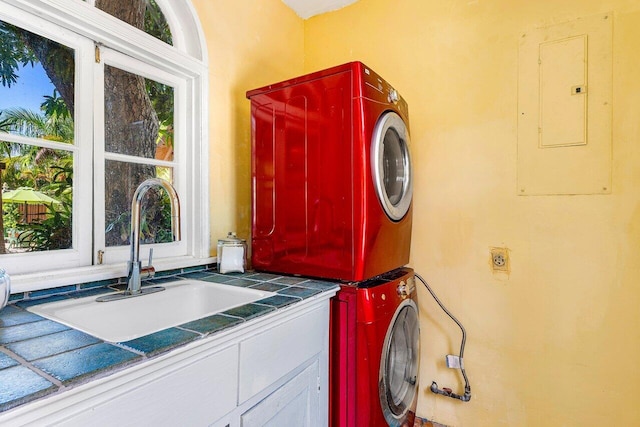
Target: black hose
434	386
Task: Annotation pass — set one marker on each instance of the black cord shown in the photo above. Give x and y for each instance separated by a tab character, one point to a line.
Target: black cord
434	387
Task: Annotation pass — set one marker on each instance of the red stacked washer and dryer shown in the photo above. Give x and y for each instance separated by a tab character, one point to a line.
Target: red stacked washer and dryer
331	198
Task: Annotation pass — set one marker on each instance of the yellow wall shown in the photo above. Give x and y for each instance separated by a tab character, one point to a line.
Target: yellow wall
556	342
250	44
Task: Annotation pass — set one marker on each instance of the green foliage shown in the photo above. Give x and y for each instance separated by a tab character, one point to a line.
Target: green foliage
61	185
155	23
161	95
155	221
10	216
50	171
55	109
13	53
22	121
54	232
30	165
162	230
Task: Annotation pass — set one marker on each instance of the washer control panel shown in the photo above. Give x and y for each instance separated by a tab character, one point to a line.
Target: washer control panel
405	289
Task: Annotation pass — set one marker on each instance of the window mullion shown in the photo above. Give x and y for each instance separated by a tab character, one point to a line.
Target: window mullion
83	162
38	142
139	160
98	158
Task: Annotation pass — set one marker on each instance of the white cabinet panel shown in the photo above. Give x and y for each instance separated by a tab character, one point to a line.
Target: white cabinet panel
194	395
293	404
270	355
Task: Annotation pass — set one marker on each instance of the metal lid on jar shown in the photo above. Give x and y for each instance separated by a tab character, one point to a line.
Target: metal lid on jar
231	239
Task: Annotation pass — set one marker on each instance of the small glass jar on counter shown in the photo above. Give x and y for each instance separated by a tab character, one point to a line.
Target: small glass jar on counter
232	254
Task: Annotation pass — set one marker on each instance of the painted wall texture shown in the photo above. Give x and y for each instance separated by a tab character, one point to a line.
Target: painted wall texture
557	340
250	44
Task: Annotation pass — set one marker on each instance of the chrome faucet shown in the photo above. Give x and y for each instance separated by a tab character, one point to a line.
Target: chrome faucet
136	271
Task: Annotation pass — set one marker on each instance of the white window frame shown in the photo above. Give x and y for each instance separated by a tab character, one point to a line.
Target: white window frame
80	254
64	20
181	148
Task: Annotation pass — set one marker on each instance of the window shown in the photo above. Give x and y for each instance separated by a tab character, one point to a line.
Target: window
140	138
109	105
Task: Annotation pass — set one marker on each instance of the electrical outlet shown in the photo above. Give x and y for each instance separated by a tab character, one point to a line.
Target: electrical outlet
499	259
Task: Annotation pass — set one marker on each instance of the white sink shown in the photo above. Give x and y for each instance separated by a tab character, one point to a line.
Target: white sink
127	319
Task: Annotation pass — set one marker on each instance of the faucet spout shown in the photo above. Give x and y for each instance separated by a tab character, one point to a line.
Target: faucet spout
136	271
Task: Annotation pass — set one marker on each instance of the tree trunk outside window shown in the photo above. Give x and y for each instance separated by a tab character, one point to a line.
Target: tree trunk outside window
131	127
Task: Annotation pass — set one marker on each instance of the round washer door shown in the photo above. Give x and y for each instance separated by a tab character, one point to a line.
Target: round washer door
391	165
398	381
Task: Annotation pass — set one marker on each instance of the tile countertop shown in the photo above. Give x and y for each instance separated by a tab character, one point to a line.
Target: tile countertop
39	357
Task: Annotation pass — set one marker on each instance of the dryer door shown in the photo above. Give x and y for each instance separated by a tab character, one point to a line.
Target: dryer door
391	165
398	381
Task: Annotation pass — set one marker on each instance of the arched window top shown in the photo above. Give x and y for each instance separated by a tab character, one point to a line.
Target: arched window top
145	15
83	17
186	29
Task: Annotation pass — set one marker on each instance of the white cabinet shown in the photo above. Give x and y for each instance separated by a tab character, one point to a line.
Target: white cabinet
272	371
190	392
296	403
271	354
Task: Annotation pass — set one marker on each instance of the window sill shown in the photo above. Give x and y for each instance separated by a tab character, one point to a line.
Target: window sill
57	278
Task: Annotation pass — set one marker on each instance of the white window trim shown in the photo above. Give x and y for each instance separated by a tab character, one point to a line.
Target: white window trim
80	254
188	58
180	165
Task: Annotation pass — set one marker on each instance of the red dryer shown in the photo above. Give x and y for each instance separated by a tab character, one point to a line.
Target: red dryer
375	352
331	175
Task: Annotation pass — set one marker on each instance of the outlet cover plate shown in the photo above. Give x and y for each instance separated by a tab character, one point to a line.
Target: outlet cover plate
499	260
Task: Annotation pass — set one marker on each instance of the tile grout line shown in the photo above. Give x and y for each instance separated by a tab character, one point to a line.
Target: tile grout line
24	362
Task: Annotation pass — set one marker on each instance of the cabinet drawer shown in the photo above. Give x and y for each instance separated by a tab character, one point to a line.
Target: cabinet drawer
197	394
272	354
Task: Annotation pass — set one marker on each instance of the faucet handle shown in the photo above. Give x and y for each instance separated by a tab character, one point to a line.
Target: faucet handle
148	272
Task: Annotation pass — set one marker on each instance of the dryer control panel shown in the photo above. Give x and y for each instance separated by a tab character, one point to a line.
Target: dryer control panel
377	89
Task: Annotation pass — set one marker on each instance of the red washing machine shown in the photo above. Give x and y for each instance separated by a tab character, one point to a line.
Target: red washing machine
373	373
331	175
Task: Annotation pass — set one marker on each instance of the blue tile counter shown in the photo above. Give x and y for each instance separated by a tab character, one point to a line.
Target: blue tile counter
40	357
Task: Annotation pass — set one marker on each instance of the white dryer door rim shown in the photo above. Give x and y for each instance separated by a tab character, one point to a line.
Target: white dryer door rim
391	165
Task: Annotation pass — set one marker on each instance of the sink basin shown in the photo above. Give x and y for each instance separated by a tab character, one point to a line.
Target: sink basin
127	319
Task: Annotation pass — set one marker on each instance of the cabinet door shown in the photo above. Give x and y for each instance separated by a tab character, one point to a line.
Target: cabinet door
296	403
